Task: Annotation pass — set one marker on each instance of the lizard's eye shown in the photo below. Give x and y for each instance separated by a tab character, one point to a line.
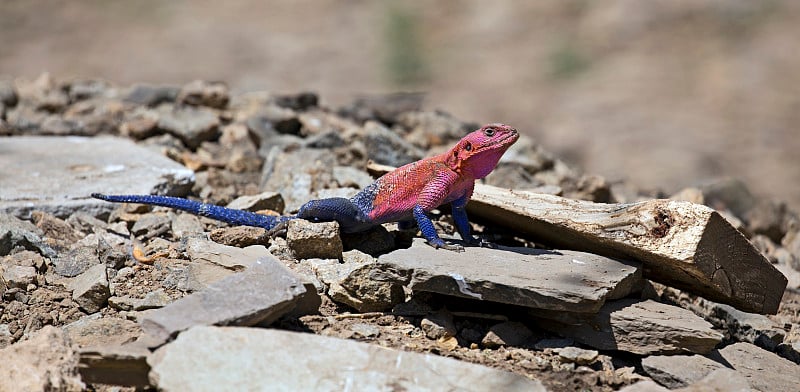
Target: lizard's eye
468	147
489	132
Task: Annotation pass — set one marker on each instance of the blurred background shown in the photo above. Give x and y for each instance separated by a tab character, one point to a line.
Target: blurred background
663	93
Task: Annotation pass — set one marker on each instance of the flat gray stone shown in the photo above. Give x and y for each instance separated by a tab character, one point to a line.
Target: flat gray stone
213	358
559	280
212	261
764	371
676	371
639	327
57	174
260	294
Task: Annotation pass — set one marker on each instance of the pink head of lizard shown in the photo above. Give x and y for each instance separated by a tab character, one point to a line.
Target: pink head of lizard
477	154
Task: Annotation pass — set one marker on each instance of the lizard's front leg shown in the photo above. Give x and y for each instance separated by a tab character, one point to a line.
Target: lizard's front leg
429	232
459	211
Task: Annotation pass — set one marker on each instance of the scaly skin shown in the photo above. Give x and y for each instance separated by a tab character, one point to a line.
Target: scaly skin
406	194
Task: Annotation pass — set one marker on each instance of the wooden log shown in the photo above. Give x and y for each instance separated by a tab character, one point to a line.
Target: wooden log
681	244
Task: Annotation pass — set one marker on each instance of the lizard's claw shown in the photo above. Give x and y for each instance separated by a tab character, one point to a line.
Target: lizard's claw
480	242
278	229
486	244
448	246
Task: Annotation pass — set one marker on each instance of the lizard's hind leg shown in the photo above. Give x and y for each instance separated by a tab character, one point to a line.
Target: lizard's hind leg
351	219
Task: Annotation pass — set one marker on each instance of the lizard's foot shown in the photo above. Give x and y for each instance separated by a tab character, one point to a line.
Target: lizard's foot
448	246
278	229
480	242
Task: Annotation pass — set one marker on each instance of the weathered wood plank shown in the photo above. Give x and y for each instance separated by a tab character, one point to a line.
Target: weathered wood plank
685	245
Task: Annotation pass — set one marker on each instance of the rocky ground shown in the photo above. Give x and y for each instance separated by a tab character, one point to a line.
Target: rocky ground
118	297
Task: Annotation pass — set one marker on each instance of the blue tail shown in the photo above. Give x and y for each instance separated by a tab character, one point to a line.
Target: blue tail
227	215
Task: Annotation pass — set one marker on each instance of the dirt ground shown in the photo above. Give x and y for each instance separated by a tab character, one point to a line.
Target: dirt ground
664	93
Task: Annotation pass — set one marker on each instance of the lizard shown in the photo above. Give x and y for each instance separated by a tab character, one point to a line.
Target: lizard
405	195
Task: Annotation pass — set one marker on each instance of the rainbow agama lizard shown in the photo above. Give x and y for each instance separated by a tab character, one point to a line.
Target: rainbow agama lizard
404	195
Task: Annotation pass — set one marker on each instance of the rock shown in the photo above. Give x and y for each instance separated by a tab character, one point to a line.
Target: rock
577	355
240	236
260	294
766	218
212	261
751	362
140	123
314	240
152	300
26	119
693	195
150	95
95	330
70	169
765	246
207	358
351	177
645	327
232	258
363	330
185	225
386	108
115	365
45	362
300	101
644	386
151	225
87	89
556	280
58	232
16	233
678	242
18	276
193	125
438	325
791	274
202	93
388	148
355	283
509	333
90	289
272	201
43	94
747	327
296	174
729	194
721	380
676	371
76	261
8	93
432	128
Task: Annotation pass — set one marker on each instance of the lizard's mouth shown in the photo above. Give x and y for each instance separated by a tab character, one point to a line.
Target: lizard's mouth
511	135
